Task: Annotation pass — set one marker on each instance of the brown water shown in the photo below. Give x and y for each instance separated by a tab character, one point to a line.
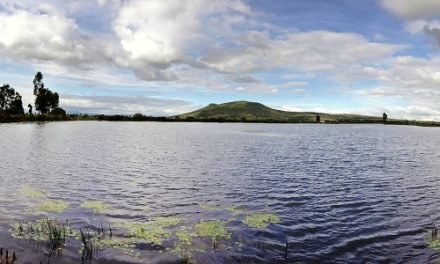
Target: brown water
344	193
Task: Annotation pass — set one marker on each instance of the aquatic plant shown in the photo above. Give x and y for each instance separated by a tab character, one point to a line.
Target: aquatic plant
117	243
183	246
433	240
6	258
261	220
52	233
49	205
184	237
33	192
97	206
152	231
164	221
210	207
213	229
234	209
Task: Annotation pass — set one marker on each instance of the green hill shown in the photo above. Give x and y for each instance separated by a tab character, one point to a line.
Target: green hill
256	112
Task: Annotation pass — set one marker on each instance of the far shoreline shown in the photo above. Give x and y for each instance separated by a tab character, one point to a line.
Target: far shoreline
139	118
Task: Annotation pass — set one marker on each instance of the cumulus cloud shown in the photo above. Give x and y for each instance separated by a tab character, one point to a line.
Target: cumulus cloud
156	39
158	33
216	45
26	35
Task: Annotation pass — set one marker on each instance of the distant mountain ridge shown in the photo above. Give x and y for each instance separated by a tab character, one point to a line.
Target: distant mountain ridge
256	112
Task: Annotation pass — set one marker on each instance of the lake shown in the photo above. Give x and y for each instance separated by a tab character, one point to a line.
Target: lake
219	193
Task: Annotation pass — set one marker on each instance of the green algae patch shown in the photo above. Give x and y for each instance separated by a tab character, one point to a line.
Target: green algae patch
53	206
97	206
32	191
434	244
184	237
432	239
210	207
153	234
213	229
261	220
117	243
164	221
152	231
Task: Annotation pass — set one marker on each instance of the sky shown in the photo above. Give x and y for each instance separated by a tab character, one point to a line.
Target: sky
165	57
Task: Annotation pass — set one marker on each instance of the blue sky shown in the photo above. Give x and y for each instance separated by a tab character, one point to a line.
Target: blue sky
163	57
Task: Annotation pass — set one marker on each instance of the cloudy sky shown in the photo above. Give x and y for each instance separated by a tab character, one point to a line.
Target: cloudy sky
162	57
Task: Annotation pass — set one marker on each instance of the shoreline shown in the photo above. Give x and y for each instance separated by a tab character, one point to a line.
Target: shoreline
122	118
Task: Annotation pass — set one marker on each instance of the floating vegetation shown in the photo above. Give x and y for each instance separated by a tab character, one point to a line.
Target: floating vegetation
210	207
55	206
6	258
261	220
152	231
97	206
184	237
117	243
183	246
52	233
433	240
164	221
159	233
31	191
213	229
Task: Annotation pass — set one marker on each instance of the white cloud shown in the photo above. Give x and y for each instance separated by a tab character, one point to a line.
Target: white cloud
414	80
26	35
158	33
413	9
125	105
341	54
217	45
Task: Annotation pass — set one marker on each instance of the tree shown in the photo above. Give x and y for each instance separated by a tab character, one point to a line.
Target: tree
30	109
318	119
384	117
58	111
45	100
10	101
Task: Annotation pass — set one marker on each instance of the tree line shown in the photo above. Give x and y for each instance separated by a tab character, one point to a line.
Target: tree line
46	101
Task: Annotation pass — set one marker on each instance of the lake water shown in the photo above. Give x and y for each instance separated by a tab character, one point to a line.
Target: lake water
343	193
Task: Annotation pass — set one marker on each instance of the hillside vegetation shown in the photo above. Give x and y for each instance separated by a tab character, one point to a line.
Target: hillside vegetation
256	112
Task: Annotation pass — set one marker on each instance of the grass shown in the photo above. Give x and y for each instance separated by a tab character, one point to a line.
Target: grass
6	258
261	220
252	111
52	233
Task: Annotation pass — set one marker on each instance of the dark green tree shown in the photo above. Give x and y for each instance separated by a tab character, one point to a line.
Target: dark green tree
45	100
384	117
10	101
318	119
